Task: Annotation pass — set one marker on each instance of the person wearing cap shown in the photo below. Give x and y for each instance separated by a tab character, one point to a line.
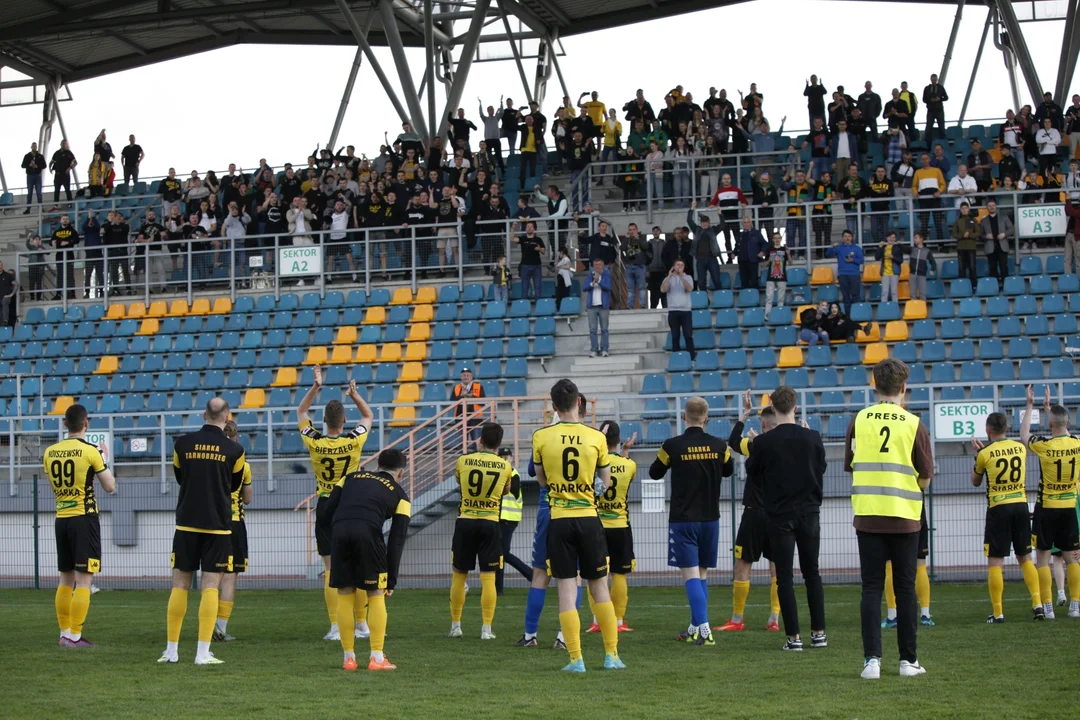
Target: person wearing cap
465	390
509	517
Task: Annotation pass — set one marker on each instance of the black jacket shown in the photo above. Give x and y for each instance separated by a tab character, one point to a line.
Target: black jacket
790	460
209	467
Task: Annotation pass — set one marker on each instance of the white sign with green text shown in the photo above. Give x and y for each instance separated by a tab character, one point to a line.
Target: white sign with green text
300	260
1045	221
961	420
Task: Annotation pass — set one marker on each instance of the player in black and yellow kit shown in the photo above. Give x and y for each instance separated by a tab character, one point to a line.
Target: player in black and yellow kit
484	478
240	497
568	456
359	505
1008	525
613	507
71	466
1055	521
209	467
333	456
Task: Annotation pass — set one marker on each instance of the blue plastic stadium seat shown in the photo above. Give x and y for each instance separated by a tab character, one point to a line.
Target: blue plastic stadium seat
861	312
848	355
905	351
1036	325
1030	265
1014	285
753	317
735	359
570	306
780	316
991	349
1048	347
1062	369
1031	370
758	337
727	318
748	298
699	300
738	381
654	384
700	319
819	356
888	311
797	378
1067	283
682	383
763	358
656	408
1019	348
933	351
1024	305
1065	324
680	362
1053	304
1008	327
658	431
943	372
711	382
723	299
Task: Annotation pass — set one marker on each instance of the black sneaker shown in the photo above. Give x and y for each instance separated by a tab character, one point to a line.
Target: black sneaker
559	645
700	639
992	619
818	640
526	642
795	645
1037	613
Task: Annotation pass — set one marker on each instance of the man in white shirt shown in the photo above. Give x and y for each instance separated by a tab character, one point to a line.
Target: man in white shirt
963	185
1048	139
339	245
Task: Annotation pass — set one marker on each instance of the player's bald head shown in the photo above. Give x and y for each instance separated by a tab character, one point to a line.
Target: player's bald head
217	411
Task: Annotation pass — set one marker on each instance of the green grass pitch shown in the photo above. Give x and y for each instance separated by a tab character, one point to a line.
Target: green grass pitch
280	666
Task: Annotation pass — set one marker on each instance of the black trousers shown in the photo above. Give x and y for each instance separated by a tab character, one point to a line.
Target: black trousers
967	266
517	563
802	531
681	324
61	181
494	149
999	266
528	160
875	549
655	280
748	272
94	265
131	174
65	273
37	280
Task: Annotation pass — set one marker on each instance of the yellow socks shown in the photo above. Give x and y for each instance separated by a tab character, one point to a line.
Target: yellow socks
997	587
330	595
922	589
1031	579
224	610
487	598
345	619
1046	581
609	627
1072	570
457	596
571	629
208	606
739	592
620	596
360	607
80	605
63	607
177	609
377	621
890	593
774	599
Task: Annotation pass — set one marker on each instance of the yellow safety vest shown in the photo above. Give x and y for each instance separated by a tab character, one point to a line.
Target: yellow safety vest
884	480
511	503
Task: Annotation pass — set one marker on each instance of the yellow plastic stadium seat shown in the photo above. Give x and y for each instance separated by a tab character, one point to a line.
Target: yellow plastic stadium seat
915	310
367	354
201	306
178	308
158	309
408	393
896	331
875	353
222	306
422	314
375	316
871	273
346	335
905	272
404	417
342	355
419	332
286	377
425	295
107	365
136	310
411	372
117	311
872	337
402	296
903	290
61	404
253	398
316	356
790	357
416	352
822	275
149	326
391	352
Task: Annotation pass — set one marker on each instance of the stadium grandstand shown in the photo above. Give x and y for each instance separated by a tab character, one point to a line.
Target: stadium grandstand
143	297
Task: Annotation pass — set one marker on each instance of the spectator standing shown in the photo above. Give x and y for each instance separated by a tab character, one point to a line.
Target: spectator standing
492	134
509	119
921	262
654	173
33	163
980	164
798	193
776	260
898	114
822	211
727	200
64	240
1049	110
997	231
1012	135
907	97
929	184
579	155
765	198
849	261
657	269
603	245
532	247
810	324
636	255
1048	138
880	190
705	249
1008	167
891	257
131	157
149	241
818	141
851	189
1072	251
843	150
963	185
531	141
597	291
103	148
815	92
500	280
171	192
749	250
940	161
36	260
964	232
564	276
9	298
678	286
1072	126
869	104
94	266
114	236
235	230
903	177
62	163
934	98
681	158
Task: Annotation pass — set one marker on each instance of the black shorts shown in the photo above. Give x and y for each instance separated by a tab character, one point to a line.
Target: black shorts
577	544
476	540
357	556
239	547
193	551
924	537
323	521
1007	527
752	540
620	546
339	248
78	543
1055	527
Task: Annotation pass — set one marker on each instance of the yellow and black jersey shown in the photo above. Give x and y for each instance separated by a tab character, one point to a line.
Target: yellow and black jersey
1003	464
1057	462
332	458
237	495
484	477
71	465
570	454
209	468
613	507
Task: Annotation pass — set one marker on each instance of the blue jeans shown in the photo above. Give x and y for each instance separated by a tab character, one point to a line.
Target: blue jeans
681	188
33	182
598	320
530	275
849	289
704	269
636	285
820	165
813	336
796	232
502	293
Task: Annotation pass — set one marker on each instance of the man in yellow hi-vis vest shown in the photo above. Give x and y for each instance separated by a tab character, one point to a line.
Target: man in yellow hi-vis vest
889	455
509	517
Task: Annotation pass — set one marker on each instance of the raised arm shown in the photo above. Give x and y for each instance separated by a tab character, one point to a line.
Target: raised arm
309	397
1025	424
366	416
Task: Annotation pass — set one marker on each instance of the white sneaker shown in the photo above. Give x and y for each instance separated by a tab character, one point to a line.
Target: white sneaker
94	589
871	669
592	354
487	636
333	635
1074	609
209	659
908	669
1048	610
455	632
466	588
300	283
168	658
317	282
354	277
604	354
362	632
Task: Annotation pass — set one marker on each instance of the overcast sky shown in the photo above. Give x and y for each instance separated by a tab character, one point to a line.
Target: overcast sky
242	103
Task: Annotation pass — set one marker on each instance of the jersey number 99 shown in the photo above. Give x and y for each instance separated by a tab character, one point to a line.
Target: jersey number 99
62	473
